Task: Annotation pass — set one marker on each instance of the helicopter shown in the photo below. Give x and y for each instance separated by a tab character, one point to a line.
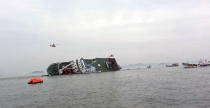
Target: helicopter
53	45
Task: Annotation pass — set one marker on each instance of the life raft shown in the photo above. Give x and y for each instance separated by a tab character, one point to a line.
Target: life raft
35	81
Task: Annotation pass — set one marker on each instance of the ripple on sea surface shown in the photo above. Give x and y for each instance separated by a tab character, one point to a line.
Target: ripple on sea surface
153	88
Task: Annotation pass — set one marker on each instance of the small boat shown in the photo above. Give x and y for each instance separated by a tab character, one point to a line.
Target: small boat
35	81
149	66
173	65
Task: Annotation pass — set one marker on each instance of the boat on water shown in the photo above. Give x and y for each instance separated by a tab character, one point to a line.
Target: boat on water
189	65
35	81
173	65
83	66
149	67
195	65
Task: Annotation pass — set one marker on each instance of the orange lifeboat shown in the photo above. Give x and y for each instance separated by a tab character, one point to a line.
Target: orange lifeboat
35	81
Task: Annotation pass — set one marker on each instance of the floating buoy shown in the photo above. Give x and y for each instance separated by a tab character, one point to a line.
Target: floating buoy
35	81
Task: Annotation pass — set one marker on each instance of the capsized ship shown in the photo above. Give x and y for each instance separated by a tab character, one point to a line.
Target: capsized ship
83	66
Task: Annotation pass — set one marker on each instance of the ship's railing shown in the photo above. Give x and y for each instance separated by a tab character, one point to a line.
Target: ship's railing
71	63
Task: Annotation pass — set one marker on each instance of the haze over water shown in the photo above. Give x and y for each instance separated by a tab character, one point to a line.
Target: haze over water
145	31
135	31
143	88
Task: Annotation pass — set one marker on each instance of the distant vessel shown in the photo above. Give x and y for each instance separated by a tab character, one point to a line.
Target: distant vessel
189	65
83	66
195	65
173	65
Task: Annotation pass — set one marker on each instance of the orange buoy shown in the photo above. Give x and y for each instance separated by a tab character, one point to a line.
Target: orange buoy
35	81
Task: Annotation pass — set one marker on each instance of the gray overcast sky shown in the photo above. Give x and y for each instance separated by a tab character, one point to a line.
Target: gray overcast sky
133	30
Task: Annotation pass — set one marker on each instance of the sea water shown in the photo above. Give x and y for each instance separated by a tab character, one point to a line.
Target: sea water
142	88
